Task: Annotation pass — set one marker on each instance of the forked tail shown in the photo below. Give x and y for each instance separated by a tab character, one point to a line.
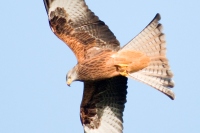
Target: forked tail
151	41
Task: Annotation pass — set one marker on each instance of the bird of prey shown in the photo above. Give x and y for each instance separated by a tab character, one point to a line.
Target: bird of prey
103	66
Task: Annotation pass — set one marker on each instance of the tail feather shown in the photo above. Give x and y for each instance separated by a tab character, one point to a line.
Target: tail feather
159	83
147	37
158	67
154	47
151	41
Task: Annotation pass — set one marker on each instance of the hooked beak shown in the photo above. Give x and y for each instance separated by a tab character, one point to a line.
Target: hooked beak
69	81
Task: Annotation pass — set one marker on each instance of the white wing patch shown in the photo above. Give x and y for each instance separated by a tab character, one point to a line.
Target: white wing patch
109	123
76	10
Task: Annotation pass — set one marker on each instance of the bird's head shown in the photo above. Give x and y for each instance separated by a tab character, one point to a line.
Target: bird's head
71	76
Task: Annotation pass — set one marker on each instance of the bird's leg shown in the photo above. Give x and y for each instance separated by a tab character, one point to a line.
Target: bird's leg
122	68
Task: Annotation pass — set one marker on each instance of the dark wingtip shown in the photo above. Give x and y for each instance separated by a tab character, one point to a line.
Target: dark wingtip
170	94
46	4
158	17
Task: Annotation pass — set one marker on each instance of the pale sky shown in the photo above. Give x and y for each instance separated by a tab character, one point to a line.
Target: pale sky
34	97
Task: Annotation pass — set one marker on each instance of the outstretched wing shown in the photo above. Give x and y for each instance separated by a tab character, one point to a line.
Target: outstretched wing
103	105
78	27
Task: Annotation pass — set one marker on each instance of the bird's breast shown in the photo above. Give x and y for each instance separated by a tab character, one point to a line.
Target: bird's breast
97	68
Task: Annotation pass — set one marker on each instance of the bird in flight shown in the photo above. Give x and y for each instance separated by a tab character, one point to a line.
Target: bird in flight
103	66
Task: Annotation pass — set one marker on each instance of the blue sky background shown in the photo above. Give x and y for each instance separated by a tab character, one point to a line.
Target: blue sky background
34	97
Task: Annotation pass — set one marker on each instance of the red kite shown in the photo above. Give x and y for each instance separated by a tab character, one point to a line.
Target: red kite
103	66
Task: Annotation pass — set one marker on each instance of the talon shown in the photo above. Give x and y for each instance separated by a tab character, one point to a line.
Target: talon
124	73
122	69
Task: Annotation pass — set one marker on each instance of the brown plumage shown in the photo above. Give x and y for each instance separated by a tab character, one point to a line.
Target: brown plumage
103	66
108	63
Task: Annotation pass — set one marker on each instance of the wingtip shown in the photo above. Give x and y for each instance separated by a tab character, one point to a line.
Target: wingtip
46	4
158	17
170	94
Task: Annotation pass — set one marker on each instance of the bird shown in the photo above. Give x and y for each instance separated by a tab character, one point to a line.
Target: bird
104	67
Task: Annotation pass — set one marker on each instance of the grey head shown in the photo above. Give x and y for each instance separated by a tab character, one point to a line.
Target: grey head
72	76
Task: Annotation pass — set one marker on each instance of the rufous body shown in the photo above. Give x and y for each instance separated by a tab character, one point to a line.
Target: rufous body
108	64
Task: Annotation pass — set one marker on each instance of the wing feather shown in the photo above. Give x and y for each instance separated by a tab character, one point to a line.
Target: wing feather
74	23
103	105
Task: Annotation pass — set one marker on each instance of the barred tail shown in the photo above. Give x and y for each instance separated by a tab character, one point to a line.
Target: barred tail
151	41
